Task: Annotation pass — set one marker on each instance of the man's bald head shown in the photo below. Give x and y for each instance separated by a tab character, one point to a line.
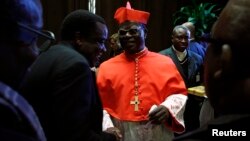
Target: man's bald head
233	23
191	28
227	60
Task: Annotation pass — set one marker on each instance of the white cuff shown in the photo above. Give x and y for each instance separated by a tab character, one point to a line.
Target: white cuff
106	122
176	106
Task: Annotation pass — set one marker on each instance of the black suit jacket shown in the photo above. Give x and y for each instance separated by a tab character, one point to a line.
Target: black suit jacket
62	89
195	66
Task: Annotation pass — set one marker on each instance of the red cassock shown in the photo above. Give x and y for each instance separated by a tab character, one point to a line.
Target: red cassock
149	76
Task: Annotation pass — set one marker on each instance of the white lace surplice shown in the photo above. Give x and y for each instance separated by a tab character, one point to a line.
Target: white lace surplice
144	130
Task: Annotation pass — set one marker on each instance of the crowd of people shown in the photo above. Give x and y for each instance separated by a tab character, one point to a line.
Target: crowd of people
137	94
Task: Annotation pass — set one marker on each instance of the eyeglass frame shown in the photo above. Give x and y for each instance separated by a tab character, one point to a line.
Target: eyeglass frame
52	38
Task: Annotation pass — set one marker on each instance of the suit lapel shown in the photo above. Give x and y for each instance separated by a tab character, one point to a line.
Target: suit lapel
177	63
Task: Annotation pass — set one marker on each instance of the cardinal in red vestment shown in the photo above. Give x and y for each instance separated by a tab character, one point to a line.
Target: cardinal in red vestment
142	92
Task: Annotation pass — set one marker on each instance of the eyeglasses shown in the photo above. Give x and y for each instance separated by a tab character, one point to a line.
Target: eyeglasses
132	31
43	43
50	36
26	28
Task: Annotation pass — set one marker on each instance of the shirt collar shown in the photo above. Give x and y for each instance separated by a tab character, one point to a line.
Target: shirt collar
180	55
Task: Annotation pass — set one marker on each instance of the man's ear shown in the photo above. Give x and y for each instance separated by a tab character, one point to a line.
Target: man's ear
226	57
172	38
225	61
145	33
77	39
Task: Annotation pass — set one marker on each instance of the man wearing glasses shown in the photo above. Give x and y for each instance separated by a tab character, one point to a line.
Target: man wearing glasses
18	50
142	91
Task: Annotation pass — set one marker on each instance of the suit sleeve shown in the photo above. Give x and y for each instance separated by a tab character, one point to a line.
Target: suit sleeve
76	103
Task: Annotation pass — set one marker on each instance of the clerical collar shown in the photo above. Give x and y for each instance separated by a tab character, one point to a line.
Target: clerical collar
180	55
138	55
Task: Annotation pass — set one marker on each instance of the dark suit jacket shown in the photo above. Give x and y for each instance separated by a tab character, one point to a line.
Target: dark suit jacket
195	66
62	89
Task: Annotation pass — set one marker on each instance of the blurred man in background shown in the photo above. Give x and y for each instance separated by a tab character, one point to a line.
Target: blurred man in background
21	22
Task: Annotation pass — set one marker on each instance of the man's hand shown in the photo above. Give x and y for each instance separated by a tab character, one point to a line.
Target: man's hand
159	115
115	131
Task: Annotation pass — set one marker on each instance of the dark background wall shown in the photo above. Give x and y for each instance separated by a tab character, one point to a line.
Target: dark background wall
160	24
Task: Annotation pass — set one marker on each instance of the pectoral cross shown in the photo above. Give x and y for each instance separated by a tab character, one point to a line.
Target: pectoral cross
136	103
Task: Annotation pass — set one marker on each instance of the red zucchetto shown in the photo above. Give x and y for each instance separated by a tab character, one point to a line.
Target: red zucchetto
123	14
